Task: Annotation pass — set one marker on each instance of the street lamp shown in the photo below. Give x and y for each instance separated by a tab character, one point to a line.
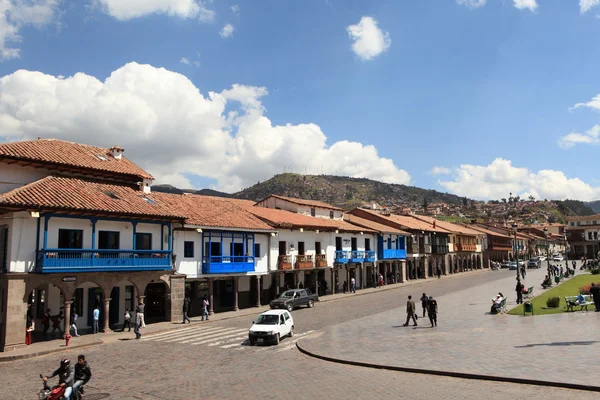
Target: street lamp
566	253
547	250
515	226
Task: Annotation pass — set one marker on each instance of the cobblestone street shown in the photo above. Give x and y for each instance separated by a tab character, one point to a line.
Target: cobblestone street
211	360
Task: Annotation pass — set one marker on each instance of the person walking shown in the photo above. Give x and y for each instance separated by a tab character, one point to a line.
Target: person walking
439	272
353	285
73	326
432	310
410	311
126	321
29	327
96	318
205	305
141	307
46	321
138	323
523	272
56	320
424	300
186	307
595	292
519	290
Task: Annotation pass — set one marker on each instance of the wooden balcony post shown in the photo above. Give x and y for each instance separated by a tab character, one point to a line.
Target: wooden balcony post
106	312
235	294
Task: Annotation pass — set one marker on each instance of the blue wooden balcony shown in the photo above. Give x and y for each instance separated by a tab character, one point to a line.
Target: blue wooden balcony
95	260
341	257
357	256
227	264
370	256
390	254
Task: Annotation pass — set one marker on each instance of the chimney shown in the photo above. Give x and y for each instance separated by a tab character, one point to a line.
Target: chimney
116	152
434	224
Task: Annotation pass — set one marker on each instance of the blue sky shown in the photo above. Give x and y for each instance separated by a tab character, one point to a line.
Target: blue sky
497	95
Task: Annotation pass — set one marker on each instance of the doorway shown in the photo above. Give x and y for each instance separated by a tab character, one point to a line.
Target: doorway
156	298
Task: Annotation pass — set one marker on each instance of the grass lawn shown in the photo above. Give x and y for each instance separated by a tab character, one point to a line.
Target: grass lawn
570	287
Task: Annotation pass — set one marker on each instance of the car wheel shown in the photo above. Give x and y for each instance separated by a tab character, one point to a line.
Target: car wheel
277	339
270	305
311	304
290	307
292	332
252	342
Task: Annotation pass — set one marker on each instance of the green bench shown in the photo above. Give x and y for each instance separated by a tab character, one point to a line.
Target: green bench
529	293
571	301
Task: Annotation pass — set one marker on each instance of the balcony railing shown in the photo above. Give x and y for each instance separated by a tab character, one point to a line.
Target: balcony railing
392	253
321	260
227	264
370	255
342	256
304	262
425	249
413	249
96	260
357	256
284	262
505	246
439	249
466	247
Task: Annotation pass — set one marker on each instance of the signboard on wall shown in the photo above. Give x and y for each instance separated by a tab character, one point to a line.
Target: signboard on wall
69	278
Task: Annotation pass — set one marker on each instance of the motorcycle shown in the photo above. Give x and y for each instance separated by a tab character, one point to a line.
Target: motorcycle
55	393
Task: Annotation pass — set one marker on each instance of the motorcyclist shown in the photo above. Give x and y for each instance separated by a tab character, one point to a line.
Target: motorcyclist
66	376
83	373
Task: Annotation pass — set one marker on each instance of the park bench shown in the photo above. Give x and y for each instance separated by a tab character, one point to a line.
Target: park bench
571	301
529	293
502	308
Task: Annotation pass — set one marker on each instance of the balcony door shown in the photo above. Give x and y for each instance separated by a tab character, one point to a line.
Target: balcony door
338	243
354	243
282	248
318	247
70	239
108	240
237	251
301	248
367	244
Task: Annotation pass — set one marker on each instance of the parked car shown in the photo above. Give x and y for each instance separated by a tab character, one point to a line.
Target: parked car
294	298
534	263
506	264
512	265
558	257
542	258
271	326
521	262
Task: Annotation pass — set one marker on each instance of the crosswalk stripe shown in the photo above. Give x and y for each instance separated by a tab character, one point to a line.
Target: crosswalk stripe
237	342
166	333
178	333
192	336
230	334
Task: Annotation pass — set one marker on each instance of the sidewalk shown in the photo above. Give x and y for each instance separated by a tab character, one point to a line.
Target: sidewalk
471	343
58	345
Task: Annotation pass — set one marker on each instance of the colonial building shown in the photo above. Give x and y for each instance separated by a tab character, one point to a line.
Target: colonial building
496	246
583	234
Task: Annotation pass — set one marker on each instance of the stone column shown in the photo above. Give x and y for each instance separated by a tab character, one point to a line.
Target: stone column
362	276
402	271
333	280
67	316
425	267
258	291
385	268
235	294
176	299
211	309
296	279
106	311
16	316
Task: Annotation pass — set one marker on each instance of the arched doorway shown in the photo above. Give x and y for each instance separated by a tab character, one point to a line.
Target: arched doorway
87	297
156	302
46	299
122	297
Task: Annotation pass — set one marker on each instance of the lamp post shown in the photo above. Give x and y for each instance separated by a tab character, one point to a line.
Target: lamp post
566	253
547	251
515	226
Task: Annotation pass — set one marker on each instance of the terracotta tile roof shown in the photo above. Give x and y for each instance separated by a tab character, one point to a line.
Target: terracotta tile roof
376	226
70	154
290	220
397	220
209	211
449	226
57	193
595	217
303	202
489	232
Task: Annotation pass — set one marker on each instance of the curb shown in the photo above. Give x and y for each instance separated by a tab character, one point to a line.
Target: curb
462	375
46	352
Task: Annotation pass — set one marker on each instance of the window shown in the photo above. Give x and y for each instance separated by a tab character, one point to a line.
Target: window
70	239
589	235
108	240
595	235
301	248
149	201
143	241
313	212
354	244
77	305
129	298
102	158
338	243
111	195
257	250
188	249
368	244
317	247
331	214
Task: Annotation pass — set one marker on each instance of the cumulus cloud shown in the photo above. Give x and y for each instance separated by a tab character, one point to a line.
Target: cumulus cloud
184	60
591	136
594	104
227	31
526	4
124	10
498	179
235	9
16	14
174	131
471	3
587	5
439	171
369	40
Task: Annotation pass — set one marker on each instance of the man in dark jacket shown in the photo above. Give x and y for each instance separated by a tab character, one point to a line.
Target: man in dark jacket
186	308
66	377
410	311
519	290
83	373
595	292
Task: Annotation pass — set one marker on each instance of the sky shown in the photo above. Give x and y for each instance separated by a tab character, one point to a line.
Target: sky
480	98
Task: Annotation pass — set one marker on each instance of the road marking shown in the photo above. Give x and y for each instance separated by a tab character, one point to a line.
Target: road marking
167	333
227	346
209	336
188	333
232	333
193	336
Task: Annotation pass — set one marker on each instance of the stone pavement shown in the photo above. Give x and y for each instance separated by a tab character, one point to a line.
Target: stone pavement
470	341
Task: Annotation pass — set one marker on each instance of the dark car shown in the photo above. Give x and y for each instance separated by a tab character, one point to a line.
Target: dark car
291	299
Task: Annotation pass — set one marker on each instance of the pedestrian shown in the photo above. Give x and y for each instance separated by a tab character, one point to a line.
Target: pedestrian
186	306
424	300
523	272
353	285
46	321
410	311
141	307
73	326
126	321
205	305
439	272
29	327
56	320
380	279
96	318
432	311
138	323
345	286
519	289
595	292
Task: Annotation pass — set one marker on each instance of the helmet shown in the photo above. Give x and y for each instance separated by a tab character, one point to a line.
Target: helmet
65	362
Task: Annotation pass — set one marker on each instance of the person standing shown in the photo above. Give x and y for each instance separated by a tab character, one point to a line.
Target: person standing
410	311
96	317
595	292
138	323
439	272
523	272
140	310
29	327
73	326
205	308
432	310
46	321
353	285
56	320
186	307
519	290
424	300
127	321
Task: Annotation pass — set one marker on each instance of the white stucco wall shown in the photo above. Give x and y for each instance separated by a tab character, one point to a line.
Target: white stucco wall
13	176
192	267
276	203
21	241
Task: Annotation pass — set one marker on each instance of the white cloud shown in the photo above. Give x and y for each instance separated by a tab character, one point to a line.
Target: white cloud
235	9
439	171
526	4
594	103
15	14
369	40
586	5
498	179
591	136
185	61
471	3
227	31
174	131
124	10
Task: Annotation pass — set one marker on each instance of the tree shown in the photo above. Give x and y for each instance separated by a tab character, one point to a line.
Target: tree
504	200
531	198
425	204
465	201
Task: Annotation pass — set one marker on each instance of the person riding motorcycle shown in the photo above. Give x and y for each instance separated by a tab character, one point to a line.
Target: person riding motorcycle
66	377
83	373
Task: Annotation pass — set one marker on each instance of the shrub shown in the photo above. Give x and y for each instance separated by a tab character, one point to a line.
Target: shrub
553	302
585	289
595	271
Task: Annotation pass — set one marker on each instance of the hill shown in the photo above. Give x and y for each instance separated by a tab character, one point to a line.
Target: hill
594	205
346	192
204	192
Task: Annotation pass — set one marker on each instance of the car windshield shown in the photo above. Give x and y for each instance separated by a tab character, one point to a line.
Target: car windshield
267	320
288	295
